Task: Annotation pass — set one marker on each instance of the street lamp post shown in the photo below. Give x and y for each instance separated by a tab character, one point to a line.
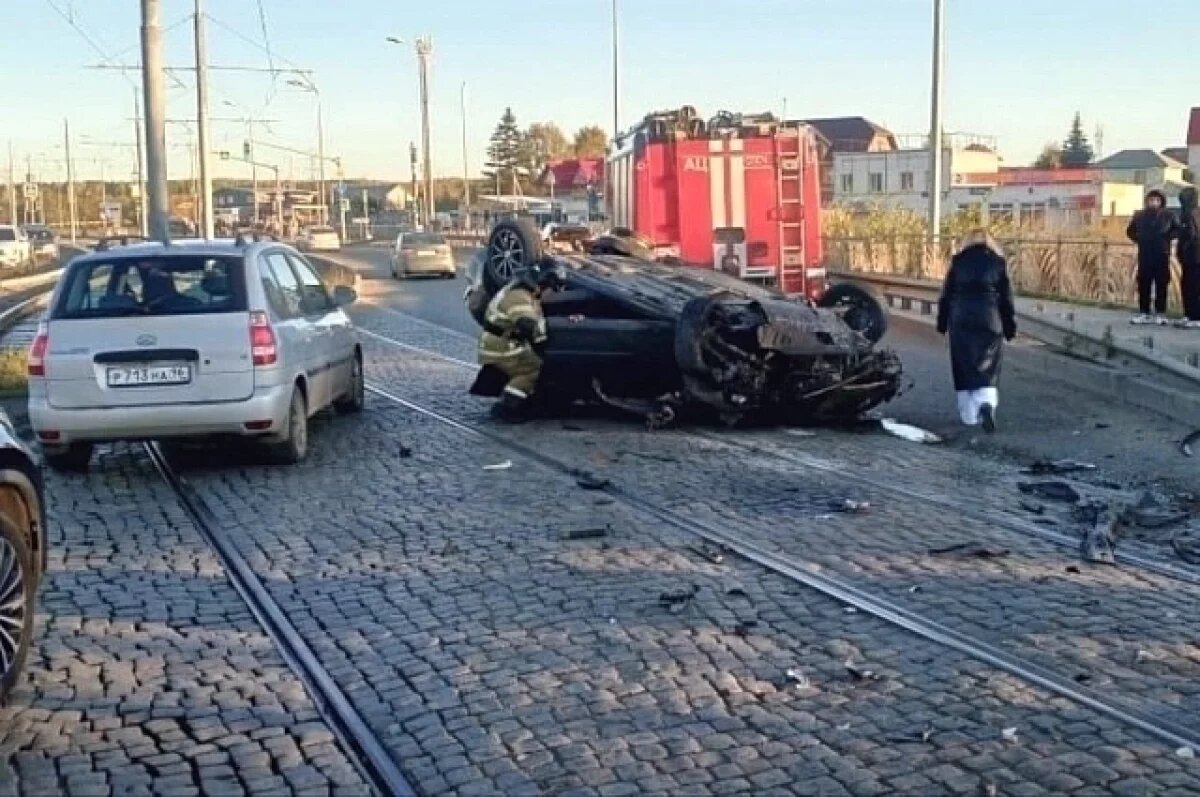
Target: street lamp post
935	128
312	89
248	154
424	46
466	220
616	75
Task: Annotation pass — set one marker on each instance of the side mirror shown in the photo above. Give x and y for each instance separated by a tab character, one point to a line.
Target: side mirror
344	295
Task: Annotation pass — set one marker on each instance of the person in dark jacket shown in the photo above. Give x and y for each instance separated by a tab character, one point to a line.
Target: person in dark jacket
976	309
1152	229
1188	251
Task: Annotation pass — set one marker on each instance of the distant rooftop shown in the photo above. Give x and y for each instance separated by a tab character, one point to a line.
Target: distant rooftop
850	133
1139	159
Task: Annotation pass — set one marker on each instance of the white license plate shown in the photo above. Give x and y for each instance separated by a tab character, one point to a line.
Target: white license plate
426	253
150	375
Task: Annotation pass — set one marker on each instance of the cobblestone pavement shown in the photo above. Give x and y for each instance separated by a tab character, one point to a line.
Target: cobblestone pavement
496	646
1120	631
149	674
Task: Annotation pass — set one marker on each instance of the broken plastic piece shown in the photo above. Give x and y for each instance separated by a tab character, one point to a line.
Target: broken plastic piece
594	533
709	554
1186	752
589	481
850	506
404	452
860	673
914	434
1185	445
975	549
1044	467
1050	491
677	599
799	679
505	465
1009	734
1031	507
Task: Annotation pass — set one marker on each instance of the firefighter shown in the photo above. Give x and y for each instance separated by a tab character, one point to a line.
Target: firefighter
514	333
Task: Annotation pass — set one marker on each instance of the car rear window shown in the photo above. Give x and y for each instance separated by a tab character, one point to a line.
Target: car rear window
159	286
423	239
7	235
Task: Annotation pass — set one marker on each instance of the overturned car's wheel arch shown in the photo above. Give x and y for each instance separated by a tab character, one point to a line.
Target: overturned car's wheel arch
862	308
513	244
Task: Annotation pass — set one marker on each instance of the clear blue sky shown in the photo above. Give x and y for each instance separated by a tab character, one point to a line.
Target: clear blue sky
1017	70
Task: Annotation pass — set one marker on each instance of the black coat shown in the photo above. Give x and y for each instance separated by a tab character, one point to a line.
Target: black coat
976	308
1189	229
1152	231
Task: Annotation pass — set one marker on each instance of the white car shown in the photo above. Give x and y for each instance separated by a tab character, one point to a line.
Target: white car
191	339
15	250
319	239
43	243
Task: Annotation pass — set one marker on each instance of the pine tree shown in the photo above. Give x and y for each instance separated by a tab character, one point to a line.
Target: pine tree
1051	157
506	152
1077	150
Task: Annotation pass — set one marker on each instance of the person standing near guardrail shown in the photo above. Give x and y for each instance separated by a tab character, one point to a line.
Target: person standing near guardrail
1188	252
976	309
1152	228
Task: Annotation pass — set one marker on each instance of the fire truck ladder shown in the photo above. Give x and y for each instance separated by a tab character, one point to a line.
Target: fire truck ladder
789	195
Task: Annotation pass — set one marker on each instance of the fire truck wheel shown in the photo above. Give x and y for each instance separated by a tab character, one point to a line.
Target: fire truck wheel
513	245
859	307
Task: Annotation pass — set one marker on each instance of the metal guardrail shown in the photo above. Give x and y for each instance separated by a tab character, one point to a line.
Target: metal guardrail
921	297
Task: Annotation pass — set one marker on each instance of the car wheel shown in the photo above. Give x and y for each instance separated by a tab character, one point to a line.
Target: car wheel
18	584
293	446
354	401
72	458
859	308
512	246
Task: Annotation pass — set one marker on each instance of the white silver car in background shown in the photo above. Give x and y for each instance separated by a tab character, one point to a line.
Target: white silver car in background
191	339
15	251
320	239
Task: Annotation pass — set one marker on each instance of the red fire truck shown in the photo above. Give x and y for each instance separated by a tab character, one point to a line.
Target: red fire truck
736	193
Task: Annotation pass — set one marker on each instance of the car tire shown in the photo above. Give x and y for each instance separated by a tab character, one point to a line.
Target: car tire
512	245
71	458
356	400
862	310
18	589
292	447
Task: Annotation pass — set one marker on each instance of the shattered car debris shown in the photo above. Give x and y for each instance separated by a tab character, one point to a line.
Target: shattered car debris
656	340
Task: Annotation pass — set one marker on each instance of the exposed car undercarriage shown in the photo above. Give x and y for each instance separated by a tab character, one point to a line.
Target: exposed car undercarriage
663	341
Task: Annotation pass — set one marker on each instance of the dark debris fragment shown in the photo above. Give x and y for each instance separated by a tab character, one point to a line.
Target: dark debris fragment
1050	491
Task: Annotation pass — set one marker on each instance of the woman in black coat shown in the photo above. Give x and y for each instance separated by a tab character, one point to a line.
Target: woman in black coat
976	308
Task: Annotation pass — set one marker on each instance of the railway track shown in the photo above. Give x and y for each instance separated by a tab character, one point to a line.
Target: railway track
813	576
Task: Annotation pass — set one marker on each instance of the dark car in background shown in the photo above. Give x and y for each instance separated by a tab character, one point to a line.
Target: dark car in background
43	243
22	552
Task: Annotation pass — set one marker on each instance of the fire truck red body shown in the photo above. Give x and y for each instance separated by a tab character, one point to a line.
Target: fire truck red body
739	194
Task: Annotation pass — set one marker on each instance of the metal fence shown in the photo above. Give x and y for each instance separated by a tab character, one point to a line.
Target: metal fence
1076	270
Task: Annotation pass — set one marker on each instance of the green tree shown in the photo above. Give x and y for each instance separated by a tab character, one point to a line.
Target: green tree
544	142
590	142
506	152
1051	157
1077	150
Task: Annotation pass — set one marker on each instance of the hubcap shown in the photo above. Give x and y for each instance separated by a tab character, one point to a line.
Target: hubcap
12	605
506	253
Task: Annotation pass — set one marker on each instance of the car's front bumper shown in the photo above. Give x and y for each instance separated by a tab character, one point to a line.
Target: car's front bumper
159	420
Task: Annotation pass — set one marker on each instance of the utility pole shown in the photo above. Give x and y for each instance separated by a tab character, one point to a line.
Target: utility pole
12	187
206	228
412	163
616	76
141	176
156	127
935	128
424	51
466	215
70	178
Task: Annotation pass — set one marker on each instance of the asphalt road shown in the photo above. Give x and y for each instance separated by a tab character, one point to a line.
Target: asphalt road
1041	416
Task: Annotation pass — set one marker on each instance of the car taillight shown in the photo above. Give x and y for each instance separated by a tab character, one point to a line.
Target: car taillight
262	339
37	352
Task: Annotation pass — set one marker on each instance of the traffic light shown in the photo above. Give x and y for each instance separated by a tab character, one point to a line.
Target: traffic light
246	151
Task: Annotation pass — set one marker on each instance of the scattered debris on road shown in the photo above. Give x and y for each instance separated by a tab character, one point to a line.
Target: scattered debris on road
1186	752
744	627
1032	508
1050	491
913	434
1044	467
798	678
860	673
849	506
405	452
676	600
590	481
593	533
505	465
975	550
1153	511
1185	445
1009	734
917	738
707	553
737	592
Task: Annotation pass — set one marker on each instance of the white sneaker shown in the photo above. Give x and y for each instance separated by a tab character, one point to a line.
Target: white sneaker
1141	320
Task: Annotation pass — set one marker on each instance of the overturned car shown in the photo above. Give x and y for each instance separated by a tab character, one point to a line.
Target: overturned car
660	340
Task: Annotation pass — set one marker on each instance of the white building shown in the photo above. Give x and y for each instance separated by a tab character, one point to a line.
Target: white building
1143	167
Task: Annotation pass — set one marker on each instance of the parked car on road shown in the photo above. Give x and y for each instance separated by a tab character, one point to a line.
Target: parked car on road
422	253
43	242
22	552
319	239
191	339
15	251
